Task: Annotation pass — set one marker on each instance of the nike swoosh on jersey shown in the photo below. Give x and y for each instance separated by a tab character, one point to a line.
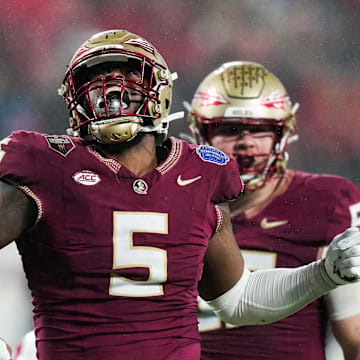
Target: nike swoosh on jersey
265	224
182	182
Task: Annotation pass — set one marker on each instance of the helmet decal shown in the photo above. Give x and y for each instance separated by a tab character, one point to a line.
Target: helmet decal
210	98
141	43
275	100
240	81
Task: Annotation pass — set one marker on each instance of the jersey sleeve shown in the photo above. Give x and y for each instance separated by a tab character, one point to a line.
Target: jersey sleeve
221	170
17	161
344	207
228	184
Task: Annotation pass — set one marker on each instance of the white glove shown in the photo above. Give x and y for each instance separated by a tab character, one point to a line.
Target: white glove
5	350
342	261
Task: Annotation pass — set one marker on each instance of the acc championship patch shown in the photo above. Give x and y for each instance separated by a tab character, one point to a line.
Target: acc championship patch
60	144
211	154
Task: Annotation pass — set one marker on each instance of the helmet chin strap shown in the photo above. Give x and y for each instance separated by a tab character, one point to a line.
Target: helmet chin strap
293	138
71	131
187	106
174	116
295	108
164	125
82	111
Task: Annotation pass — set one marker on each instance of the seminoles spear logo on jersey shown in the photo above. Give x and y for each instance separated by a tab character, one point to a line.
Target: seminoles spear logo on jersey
211	97
275	100
60	144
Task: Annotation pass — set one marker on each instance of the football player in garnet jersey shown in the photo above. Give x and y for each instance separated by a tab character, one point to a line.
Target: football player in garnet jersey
119	230
285	218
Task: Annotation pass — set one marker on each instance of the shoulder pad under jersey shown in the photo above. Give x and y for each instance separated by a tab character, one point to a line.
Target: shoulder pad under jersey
23	153
226	183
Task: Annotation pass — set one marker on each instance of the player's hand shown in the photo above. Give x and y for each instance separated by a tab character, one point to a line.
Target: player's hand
5	350
342	261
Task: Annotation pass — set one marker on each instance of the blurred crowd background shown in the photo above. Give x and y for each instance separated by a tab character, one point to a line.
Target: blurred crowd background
312	46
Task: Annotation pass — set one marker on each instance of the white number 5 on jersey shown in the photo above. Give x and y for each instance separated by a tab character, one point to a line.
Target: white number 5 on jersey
127	255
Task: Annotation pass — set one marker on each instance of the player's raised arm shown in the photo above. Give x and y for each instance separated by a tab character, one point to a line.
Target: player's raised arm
224	264
17	213
265	296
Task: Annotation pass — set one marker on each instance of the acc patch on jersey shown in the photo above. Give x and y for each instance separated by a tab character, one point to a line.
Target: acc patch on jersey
211	154
60	144
86	177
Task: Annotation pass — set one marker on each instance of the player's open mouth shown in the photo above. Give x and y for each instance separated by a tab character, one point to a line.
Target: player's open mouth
245	162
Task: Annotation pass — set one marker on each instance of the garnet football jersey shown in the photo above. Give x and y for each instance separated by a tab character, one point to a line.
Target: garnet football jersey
289	232
114	260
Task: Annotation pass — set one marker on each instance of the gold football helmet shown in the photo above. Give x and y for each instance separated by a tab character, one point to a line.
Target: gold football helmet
110	108
246	93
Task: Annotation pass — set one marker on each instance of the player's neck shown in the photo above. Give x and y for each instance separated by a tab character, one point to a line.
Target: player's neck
253	201
141	158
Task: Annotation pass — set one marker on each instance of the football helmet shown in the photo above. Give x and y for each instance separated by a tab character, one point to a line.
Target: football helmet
110	108
245	93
